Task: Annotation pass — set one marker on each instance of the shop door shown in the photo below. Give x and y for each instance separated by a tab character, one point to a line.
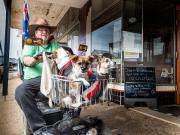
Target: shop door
178	52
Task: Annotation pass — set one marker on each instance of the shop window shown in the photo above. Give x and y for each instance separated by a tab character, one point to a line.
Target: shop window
105	11
158	39
106	30
100	6
132	47
142	36
107	39
148	37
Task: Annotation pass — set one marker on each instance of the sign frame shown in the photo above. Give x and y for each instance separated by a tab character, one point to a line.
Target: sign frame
140	86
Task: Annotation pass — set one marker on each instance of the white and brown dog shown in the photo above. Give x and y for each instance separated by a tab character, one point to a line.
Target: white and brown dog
78	76
104	64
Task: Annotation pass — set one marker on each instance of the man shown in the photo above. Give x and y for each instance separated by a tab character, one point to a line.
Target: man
26	92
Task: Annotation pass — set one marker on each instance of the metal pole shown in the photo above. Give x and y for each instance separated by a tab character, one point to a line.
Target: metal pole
7	3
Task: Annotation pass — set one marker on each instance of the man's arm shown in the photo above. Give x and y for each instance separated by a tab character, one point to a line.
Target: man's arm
30	61
28	57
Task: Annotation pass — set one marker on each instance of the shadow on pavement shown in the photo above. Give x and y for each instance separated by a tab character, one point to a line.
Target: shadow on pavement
173	110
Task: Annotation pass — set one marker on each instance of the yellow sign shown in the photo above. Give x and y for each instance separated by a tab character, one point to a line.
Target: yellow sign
34	41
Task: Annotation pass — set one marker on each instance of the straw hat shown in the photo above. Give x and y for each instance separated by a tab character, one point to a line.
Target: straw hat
40	22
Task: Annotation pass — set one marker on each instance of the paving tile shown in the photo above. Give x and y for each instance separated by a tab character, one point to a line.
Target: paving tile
119	120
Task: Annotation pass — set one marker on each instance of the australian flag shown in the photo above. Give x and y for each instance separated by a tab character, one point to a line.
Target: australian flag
25	21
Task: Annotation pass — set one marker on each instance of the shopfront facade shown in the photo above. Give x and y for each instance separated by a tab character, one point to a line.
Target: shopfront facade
135	32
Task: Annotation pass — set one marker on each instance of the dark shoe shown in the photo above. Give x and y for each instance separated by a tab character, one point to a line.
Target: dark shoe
47	131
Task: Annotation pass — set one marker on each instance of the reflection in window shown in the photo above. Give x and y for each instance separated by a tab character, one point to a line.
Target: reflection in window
159	39
147	37
107	39
132	34
158	46
132	46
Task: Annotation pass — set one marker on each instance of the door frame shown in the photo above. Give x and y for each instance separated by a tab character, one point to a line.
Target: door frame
178	54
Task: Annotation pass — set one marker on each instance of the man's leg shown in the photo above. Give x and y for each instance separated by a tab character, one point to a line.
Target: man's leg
25	97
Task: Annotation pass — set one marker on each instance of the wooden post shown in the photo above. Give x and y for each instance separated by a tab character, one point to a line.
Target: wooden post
178	53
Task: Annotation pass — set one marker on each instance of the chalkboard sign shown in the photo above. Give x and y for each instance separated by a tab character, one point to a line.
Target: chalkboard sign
140	90
139	74
140	84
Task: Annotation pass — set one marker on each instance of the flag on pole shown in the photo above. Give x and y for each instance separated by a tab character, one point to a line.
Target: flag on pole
25	21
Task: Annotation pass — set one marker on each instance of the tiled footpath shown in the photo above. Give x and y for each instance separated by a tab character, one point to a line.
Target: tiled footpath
120	120
10	114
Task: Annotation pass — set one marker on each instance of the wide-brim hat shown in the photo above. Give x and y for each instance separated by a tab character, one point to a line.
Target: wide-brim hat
40	22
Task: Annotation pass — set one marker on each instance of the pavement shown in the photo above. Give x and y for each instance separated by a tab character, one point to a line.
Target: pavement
120	120
10	113
169	114
134	121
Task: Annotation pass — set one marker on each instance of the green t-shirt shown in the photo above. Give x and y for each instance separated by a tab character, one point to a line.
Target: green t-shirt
36	70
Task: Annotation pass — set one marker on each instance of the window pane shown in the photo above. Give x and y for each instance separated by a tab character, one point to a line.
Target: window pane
132	33
107	38
106	30
159	39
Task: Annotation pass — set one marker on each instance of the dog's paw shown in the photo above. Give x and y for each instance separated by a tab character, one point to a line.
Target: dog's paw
85	82
67	101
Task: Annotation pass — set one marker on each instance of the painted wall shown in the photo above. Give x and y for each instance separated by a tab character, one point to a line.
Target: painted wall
2	24
15	43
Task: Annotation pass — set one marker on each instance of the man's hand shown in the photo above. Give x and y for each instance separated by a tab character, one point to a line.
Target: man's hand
30	61
39	58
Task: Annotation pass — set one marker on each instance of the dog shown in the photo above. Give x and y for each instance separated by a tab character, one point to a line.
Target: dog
81	66
78	76
103	65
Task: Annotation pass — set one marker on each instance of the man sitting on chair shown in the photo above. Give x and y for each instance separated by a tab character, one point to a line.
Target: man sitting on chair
26	92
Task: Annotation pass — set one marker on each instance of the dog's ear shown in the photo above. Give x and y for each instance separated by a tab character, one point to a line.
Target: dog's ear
74	58
90	58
